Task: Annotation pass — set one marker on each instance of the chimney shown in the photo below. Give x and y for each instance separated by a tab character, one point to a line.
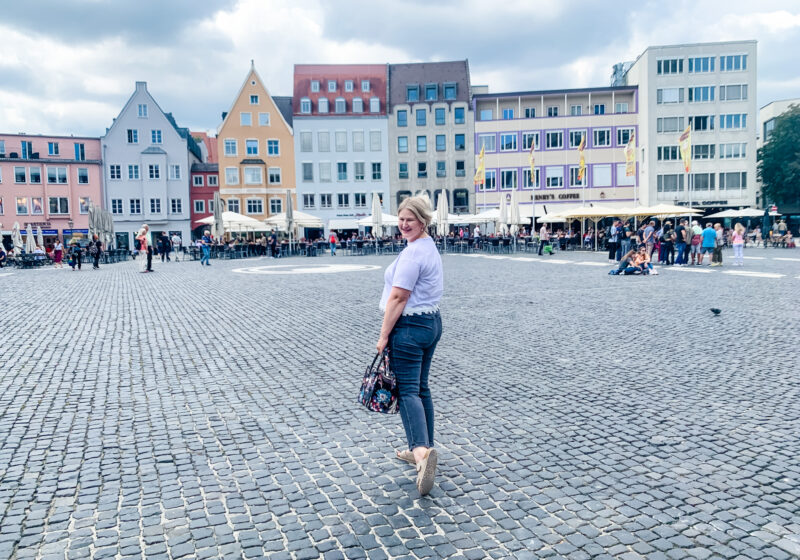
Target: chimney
141	86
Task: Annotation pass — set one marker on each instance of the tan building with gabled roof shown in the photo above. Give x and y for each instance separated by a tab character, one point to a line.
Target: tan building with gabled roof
255	147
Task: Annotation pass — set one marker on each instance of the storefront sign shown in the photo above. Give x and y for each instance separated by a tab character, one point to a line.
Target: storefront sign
703	203
72	231
562	196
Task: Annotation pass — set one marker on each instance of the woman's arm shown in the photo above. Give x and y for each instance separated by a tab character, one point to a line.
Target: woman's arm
398	298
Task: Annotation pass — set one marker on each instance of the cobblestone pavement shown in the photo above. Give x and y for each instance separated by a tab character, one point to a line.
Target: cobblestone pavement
200	413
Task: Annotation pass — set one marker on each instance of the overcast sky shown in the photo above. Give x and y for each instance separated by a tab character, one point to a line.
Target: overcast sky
68	66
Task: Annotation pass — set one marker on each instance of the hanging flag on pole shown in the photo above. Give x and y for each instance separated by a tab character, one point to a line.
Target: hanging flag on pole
480	172
630	156
531	162
582	163
685	143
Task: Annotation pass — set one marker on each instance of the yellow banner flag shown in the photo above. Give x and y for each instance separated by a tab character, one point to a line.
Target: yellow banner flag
685	143
582	163
531	162
480	172
630	156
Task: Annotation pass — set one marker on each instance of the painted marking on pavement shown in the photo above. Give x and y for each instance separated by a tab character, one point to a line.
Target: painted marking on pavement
754	274
306	269
690	269
6	274
786	259
592	263
755	258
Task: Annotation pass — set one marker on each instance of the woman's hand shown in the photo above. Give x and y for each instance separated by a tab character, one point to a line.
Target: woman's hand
383	341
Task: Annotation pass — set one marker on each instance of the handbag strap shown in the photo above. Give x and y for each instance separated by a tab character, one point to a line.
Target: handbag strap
377	356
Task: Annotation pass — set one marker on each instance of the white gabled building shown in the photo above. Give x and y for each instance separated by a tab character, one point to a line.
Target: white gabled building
146	163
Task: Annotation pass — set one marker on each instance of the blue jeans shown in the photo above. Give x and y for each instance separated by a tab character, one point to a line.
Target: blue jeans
333	249
206	254
411	346
680	248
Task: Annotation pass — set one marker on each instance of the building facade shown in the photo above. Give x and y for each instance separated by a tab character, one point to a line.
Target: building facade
146	163
205	183
712	88
255	146
430	133
341	141
554	123
767	117
49	182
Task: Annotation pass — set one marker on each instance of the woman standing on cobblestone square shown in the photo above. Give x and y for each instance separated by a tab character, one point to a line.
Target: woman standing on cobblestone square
412	326
144	249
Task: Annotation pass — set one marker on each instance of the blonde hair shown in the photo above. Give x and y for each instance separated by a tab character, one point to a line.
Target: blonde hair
739	228
418	206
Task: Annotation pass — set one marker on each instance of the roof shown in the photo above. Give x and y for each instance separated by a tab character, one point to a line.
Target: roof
153	150
253	161
284	104
304	74
253	72
205	168
186	135
210	142
421	73
607	89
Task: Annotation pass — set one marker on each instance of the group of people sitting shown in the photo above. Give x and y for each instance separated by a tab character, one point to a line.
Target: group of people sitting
635	261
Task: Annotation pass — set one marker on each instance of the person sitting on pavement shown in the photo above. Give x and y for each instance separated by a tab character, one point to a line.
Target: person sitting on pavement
624	262
641	262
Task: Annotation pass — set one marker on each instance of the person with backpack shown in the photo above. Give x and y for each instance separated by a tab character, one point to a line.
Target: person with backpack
76	254
95	250
164	246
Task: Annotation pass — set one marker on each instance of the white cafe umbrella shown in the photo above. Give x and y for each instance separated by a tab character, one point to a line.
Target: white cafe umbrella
502	218
300	219
16	239
442	217
386	220
30	242
289	218
514	213
39	237
377	216
219	226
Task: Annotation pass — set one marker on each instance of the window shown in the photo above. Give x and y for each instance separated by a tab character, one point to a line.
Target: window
575	137
230	147
133	136
275	205
233	205
733	93
197	180
486	114
251	147
439	115
733	121
358	171
622	177
529	139
211	205
573	177
668	153
309	201
358	105
576	110
669	124
450	91
441	169
670	66
58	175
402	117
508	114
325	200
253	100
508	142
422	170
155	205
530	112
231	175
314	86
252	176
331	86
52	148
305	105
460	168
133	172
374	140
2	149
255	206
526	179
341	171
601	175
402	170
669	95
58	205
114	172
348	85
621	108
340	106
552	111
21	175
212	180
374	105
325	171
508	179
142	110
701	94
340	140
421	117
22	206
702	181
361	200
343	200
35	175
324	141
431	92
37	206
135	205
422	143
732	63
458	115
322	105
701	64
274	175
83	176
273	148
116	206
486	142
175	206
377	173
246	119
305	141
554	177
670	183
365	85
412	93
441	143
703	151
263	119
554	140
491	180
154	171
624	136
728	151
27	149
733	181
155	136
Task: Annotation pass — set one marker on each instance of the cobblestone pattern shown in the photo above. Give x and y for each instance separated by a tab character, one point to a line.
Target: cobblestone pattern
199	413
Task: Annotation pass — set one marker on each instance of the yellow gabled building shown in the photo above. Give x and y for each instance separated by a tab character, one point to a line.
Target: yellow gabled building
256	151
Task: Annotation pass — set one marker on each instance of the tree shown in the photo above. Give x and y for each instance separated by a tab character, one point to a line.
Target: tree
779	160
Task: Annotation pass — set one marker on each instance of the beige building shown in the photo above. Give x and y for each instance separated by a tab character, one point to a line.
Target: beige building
255	144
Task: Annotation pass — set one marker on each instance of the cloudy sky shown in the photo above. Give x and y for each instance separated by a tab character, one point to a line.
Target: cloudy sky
68	66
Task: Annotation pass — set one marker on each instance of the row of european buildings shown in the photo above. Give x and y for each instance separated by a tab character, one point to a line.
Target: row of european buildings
351	131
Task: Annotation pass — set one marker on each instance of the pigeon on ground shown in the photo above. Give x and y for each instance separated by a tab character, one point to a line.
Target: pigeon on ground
716	311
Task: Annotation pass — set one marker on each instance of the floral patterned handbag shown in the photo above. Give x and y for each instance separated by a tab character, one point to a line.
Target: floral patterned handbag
379	387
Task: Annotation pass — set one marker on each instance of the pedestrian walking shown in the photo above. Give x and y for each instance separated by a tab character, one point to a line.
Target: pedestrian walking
333	240
544	238
95	251
697	239
58	254
177	242
708	243
273	244
77	255
680	242
145	250
737	241
164	246
205	248
716	258
412	326
613	241
668	244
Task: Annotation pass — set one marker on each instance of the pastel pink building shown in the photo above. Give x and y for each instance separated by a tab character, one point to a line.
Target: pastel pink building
48	181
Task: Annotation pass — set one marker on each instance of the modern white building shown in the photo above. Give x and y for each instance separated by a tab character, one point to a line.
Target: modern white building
712	88
340	136
146	163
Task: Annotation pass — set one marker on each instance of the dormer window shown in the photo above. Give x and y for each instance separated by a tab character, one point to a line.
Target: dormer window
348	85
314	86
340	106
431	92
305	106
331	85
322	105
450	91
364	85
374	105
358	105
412	93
